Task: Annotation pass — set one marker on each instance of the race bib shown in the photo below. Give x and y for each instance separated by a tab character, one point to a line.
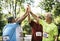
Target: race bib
38	34
5	38
45	35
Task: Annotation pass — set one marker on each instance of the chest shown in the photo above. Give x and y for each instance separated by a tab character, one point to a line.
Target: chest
37	28
48	28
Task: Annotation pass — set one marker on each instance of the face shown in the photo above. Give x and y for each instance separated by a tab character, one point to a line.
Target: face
48	19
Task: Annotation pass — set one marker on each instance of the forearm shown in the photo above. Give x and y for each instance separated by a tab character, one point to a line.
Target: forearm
17	18
22	18
29	19
56	38
35	17
33	14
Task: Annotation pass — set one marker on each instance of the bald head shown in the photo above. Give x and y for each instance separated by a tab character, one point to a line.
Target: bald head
48	14
48	17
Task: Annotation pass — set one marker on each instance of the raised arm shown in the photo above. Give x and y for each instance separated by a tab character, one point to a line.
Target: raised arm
35	16
23	17
29	19
56	38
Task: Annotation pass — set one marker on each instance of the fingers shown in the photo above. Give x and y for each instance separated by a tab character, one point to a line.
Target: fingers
29	9
26	9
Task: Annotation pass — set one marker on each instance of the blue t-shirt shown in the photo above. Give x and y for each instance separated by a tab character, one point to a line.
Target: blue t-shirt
9	32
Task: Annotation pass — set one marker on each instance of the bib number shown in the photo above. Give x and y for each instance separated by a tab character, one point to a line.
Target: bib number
45	35
5	38
38	34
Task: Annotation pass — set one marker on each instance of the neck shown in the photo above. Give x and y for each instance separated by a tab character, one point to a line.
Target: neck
49	22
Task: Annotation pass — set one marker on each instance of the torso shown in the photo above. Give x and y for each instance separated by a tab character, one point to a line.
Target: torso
36	30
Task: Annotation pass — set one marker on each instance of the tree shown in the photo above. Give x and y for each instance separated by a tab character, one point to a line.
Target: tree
47	5
2	22
51	6
56	9
26	27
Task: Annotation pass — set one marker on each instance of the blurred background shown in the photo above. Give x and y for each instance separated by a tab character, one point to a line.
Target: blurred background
16	8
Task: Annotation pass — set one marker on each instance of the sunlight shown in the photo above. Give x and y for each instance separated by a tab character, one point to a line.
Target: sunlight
36	2
5	11
34	7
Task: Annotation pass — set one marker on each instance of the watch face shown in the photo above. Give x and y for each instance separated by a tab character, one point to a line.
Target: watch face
5	38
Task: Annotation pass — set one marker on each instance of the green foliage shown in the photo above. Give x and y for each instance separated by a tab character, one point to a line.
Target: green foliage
57	20
47	5
26	27
56	9
2	22
51	6
56	12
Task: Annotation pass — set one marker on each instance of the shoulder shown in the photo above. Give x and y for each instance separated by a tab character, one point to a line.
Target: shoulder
13	24
32	22
42	22
54	25
6	25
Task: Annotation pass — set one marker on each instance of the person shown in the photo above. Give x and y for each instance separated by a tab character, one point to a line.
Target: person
12	31
37	29
50	30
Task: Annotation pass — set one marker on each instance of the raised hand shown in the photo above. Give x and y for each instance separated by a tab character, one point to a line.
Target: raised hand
28	8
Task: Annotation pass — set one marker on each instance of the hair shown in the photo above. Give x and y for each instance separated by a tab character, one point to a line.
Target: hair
10	19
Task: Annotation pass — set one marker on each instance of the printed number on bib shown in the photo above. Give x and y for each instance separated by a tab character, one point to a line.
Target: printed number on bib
45	35
5	38
38	34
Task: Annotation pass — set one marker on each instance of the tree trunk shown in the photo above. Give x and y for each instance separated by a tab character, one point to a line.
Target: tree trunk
15	8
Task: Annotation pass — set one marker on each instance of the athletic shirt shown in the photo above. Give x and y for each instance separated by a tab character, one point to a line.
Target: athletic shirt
11	32
37	31
49	31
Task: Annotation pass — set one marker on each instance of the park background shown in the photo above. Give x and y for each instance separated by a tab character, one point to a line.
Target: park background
16	8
